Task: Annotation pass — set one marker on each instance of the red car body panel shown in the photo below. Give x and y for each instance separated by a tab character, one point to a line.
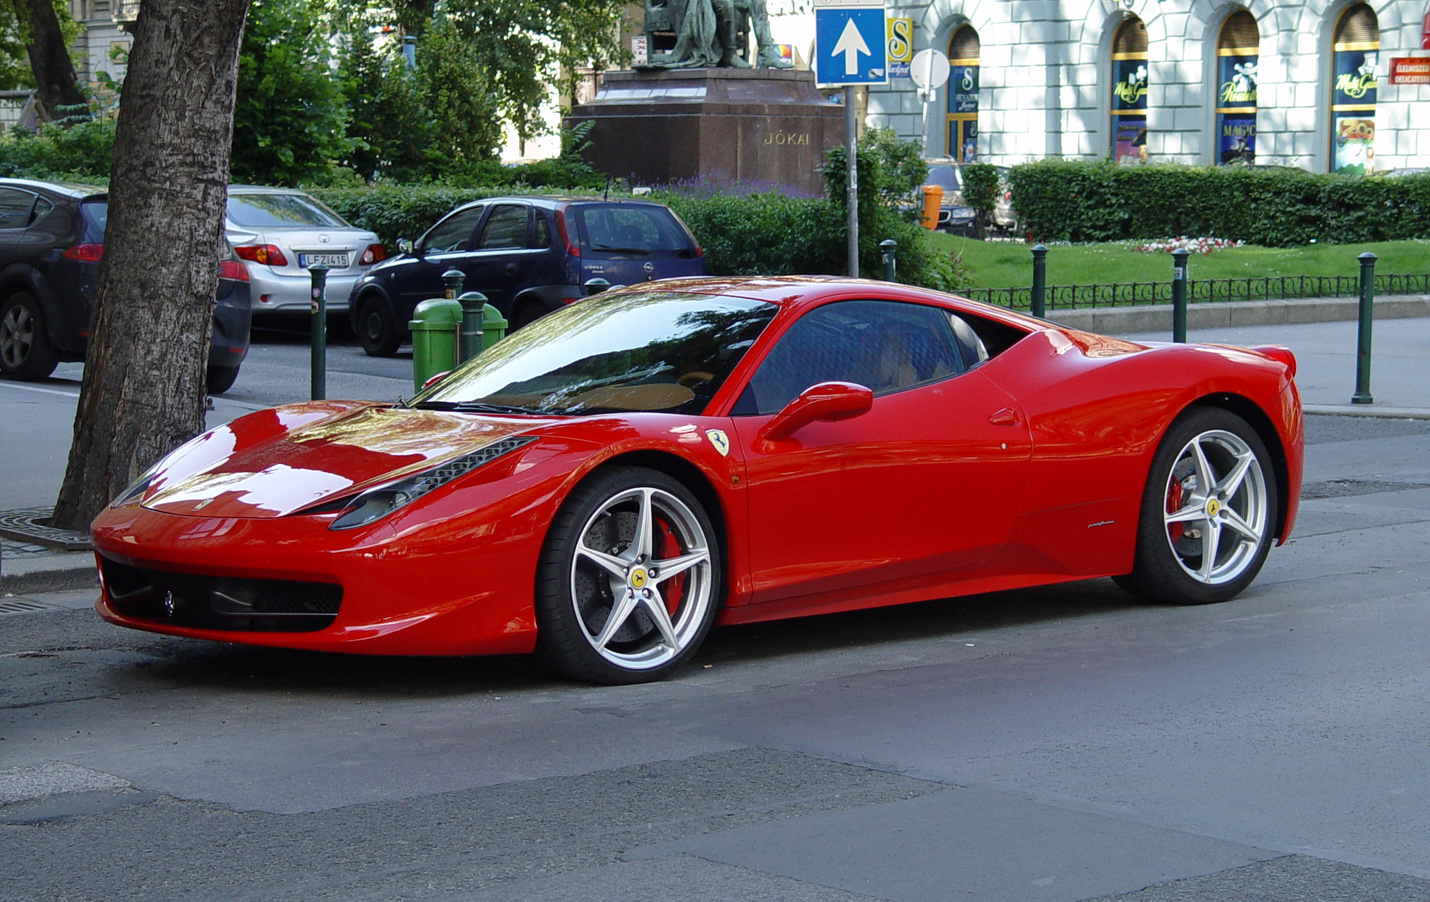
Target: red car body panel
1028	469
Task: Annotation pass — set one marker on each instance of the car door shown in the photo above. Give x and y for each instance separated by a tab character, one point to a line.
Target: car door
506	257
922	485
447	245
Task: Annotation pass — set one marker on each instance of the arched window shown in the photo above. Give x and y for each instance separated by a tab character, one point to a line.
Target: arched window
1129	92
1355	51
962	116
1238	46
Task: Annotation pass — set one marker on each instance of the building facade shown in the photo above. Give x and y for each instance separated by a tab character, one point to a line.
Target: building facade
1324	85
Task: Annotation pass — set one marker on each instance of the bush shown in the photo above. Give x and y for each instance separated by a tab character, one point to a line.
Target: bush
1271	206
78	149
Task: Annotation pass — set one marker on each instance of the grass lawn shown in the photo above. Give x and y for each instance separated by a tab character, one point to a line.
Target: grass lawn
996	264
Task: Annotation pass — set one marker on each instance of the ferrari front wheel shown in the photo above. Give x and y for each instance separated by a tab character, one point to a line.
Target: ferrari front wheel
1208	513
629	578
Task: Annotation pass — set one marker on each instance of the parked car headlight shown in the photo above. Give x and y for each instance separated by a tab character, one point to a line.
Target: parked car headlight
382	500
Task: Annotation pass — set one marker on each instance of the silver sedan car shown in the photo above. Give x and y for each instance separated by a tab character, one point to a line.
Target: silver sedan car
280	233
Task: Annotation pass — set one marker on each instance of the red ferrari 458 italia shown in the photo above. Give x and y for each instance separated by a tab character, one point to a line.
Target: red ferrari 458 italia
605	484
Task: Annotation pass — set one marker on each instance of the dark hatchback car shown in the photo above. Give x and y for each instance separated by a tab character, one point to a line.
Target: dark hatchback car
51	242
528	255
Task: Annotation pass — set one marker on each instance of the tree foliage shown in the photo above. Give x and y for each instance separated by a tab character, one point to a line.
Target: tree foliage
290	117
522	44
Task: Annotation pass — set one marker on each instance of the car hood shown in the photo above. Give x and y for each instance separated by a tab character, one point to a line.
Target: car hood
278	461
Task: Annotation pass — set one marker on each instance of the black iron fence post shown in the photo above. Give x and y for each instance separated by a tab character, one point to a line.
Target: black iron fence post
1038	301
1367	312
318	333
1179	294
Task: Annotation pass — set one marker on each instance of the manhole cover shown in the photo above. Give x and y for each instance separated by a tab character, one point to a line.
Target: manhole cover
24	606
32	525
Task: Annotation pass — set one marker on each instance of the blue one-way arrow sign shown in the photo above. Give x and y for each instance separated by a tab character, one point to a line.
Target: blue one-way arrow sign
849	45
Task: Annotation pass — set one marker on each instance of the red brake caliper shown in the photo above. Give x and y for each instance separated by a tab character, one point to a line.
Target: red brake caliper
1174	504
666	546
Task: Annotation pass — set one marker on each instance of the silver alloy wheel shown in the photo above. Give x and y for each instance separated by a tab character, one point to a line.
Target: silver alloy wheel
641	578
17	334
1217	511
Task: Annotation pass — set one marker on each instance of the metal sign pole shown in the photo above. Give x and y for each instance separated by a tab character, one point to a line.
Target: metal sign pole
851	196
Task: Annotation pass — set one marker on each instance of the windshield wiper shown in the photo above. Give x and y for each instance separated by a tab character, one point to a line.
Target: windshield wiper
473	407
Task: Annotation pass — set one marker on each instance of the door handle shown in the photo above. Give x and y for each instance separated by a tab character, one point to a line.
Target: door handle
511	269
1005	416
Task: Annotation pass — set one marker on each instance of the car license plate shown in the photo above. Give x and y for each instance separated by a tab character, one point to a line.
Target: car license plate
307	260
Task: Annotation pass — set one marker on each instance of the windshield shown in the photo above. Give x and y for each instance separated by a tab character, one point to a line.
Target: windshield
624	351
266	211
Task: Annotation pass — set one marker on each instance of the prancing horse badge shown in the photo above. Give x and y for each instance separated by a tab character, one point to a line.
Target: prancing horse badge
719	440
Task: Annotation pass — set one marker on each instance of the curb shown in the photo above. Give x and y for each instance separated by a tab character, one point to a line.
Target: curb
48	573
1215	315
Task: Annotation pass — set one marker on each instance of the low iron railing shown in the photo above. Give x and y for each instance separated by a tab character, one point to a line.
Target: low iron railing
1265	288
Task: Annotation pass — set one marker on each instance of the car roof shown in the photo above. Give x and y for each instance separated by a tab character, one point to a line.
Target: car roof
70	189
560	201
808	291
261	189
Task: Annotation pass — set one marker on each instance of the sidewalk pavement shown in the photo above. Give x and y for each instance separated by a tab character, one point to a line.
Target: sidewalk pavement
1323	335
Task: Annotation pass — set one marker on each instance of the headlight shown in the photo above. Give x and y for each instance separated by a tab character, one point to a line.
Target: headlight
378	502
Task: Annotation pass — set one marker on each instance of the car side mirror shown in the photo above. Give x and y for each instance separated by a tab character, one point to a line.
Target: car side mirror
826	401
406	245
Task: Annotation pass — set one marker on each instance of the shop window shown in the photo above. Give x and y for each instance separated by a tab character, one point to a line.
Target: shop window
1129	92
1238	47
1355	51
962	115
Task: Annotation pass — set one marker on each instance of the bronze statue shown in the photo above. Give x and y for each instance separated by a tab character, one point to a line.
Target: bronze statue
712	33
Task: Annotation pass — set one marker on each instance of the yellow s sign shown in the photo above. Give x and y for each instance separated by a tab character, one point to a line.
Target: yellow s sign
900	44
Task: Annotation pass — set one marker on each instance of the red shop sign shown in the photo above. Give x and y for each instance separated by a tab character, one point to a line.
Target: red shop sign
1410	70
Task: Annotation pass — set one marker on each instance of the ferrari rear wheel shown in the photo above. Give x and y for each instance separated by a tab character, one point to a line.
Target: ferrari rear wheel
629	578
1208	514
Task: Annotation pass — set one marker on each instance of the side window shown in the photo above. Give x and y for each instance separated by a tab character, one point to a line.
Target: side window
885	345
452	233
541	235
505	228
15	206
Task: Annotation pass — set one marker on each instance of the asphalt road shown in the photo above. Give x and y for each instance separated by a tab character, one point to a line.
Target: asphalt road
1066	743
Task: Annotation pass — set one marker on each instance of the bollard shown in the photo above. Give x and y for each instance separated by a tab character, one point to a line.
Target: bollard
452	282
1367	310
1179	294
886	250
473	303
318	333
1037	301
595	286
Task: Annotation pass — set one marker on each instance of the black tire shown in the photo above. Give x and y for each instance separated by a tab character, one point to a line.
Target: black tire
1182	518
25	349
376	330
594	563
220	379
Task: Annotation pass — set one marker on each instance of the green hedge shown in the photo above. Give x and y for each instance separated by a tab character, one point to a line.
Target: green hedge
1271	206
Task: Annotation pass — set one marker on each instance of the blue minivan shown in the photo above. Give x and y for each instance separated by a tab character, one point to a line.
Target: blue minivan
528	255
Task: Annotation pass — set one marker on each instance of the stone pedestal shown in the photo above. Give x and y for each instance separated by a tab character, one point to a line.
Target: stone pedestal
757	126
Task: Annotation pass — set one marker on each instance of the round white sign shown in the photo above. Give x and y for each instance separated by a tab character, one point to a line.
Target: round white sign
929	70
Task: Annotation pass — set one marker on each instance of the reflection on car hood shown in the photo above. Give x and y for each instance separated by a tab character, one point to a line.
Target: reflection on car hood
274	462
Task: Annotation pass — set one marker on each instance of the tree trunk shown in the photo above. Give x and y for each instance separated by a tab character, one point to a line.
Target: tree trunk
55	79
143	388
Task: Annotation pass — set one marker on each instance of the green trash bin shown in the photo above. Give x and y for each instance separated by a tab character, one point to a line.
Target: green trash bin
435	325
493	326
